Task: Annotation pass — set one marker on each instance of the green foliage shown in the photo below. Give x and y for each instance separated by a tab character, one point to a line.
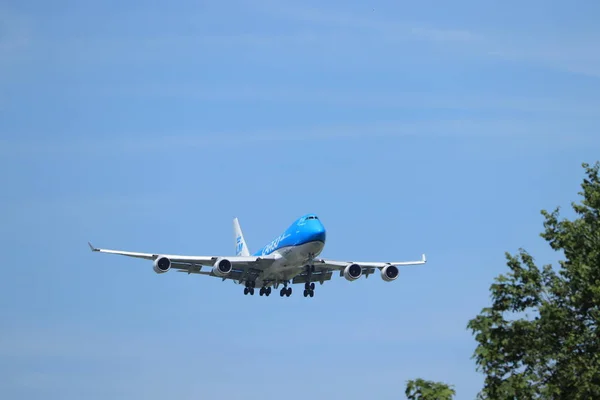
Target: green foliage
539	338
420	389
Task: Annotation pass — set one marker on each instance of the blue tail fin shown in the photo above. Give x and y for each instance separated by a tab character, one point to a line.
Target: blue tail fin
241	248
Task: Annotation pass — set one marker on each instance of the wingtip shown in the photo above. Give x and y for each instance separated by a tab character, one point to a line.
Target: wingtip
92	247
424	258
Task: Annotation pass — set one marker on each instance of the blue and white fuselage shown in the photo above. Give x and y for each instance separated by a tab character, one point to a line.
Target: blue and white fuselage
293	250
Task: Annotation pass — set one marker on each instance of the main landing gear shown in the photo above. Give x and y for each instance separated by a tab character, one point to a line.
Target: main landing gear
250	288
286	291
309	289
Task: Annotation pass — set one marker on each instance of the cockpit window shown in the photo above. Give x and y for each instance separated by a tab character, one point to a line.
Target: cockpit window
312	217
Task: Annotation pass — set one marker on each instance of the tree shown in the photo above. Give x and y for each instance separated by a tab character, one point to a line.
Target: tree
539	339
420	389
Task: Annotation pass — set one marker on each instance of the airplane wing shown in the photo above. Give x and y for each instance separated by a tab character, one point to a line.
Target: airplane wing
241	265
337	265
324	268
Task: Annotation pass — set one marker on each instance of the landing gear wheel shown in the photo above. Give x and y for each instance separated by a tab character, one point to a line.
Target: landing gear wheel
285	291
305	293
312	286
246	290
262	291
268	291
311	293
251	291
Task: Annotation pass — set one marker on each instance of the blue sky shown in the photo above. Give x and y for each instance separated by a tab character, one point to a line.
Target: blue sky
435	127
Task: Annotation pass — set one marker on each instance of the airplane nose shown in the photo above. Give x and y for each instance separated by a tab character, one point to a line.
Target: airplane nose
319	233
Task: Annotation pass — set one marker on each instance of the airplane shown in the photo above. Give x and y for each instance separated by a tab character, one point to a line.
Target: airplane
290	258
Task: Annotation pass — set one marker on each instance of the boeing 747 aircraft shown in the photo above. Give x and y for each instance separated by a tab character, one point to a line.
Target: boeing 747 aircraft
290	258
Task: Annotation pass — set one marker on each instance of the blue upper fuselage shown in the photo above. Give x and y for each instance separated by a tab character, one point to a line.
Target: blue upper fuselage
305	229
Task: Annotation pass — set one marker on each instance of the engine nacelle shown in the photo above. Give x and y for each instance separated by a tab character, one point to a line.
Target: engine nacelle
389	273
352	272
222	267
161	265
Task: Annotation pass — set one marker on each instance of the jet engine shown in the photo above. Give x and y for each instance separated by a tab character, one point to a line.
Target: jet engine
222	267
389	273
352	272
161	265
